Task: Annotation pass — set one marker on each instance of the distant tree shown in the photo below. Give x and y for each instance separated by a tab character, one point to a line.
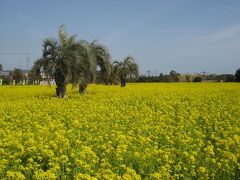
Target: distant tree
237	76
209	77
225	78
197	79
17	75
161	77
32	77
188	78
1	67
174	75
229	78
125	69
7	80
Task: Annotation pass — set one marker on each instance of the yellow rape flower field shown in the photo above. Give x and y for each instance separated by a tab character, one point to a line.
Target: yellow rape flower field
143	131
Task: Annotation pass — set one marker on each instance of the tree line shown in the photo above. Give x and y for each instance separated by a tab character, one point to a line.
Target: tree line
19	77
174	76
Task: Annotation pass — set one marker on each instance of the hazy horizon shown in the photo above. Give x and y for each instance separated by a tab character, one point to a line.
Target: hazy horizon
185	36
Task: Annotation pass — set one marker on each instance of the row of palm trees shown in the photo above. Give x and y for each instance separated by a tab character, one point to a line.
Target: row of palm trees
67	59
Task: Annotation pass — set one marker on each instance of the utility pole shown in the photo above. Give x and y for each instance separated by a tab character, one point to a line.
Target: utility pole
28	61
148	72
16	54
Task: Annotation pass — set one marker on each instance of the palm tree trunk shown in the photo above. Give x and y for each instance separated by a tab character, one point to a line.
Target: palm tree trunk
61	85
61	90
123	82
83	88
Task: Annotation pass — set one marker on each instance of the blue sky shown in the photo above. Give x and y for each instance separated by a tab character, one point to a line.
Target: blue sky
184	35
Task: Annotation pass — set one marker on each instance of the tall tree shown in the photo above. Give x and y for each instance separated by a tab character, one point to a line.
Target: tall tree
174	76
237	75
99	58
103	61
84	69
114	79
1	67
17	75
66	60
125	69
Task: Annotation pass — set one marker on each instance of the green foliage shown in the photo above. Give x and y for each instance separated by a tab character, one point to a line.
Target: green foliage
69	60
63	58
125	69
66	60
226	77
17	75
186	78
102	57
197	79
6	80
237	76
174	76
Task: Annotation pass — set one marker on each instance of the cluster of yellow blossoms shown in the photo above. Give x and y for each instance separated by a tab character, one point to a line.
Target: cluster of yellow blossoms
142	131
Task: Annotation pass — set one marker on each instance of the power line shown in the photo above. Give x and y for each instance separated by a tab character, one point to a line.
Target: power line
7	53
24	54
16	54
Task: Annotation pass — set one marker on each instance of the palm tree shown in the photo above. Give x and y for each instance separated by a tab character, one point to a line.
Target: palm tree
84	69
113	79
126	69
103	57
99	57
65	60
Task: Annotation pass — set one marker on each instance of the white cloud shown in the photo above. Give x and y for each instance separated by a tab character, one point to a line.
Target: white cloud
35	23
228	34
28	19
35	29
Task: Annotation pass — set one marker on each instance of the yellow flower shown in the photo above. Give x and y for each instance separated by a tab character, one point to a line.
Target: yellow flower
201	169
15	175
146	130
